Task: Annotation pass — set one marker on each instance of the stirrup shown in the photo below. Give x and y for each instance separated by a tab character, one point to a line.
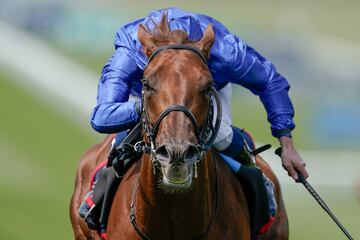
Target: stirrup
86	206
88	213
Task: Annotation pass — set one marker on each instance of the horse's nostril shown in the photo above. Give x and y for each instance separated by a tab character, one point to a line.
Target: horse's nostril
177	153
162	152
192	152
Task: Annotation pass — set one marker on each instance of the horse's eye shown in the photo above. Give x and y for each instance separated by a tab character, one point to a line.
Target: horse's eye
207	89
146	85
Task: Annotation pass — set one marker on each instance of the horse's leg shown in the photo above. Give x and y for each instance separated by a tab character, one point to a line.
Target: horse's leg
280	228
87	165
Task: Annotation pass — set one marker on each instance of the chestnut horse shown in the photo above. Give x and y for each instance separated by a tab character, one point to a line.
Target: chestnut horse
169	194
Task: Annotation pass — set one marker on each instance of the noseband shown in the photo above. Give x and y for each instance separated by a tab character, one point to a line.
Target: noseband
205	135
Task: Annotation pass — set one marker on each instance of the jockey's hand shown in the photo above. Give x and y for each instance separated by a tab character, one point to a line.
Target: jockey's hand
291	160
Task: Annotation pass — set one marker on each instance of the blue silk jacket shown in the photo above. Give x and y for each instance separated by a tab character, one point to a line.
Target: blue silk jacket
231	60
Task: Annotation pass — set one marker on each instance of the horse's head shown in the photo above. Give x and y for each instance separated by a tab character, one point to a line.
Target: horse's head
176	77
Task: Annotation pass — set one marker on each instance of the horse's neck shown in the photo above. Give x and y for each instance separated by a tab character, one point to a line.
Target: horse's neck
191	210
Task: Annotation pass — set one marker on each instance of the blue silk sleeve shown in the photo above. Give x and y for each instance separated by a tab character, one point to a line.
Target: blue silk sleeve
260	76
113	112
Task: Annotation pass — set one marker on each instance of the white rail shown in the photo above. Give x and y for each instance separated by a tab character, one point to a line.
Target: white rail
59	80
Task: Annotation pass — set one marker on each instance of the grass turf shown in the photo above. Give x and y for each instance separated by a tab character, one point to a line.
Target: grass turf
39	153
309	221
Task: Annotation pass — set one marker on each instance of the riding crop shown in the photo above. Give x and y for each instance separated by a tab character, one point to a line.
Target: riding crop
321	202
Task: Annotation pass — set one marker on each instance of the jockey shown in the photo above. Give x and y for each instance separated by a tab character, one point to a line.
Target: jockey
231	61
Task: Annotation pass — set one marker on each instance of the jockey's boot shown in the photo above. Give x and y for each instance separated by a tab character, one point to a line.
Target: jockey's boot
259	190
259	193
96	205
248	159
90	209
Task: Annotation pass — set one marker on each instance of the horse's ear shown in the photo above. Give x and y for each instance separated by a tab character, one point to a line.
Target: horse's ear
206	42
146	39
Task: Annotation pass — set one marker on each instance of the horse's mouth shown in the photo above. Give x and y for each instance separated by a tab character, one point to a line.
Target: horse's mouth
177	183
176	179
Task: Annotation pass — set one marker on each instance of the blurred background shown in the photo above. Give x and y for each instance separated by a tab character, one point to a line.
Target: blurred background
51	56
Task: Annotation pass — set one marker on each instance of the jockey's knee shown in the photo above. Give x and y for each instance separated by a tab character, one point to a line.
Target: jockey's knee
247	137
224	137
119	138
231	142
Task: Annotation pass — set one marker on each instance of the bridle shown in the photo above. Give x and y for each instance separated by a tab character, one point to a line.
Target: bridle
205	135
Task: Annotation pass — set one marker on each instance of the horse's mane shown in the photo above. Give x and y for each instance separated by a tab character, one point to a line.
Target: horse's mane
162	35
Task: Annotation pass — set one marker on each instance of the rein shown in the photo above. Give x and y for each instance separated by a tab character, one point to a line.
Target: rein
205	135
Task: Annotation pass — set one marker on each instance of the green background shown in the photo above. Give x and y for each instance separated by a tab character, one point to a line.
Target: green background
40	147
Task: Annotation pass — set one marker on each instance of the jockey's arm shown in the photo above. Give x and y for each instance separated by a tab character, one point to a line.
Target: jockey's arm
260	76
113	112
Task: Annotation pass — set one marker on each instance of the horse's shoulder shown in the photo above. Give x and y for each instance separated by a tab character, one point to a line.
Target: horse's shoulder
132	173
232	203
